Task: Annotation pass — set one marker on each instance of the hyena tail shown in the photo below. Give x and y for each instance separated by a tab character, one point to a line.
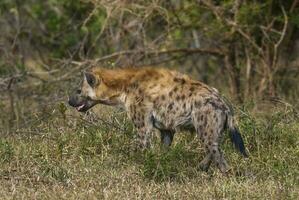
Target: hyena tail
235	136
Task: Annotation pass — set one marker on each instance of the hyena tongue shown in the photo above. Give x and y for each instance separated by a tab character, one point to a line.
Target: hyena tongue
80	107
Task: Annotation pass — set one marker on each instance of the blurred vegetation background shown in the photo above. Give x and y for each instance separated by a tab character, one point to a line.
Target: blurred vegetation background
247	49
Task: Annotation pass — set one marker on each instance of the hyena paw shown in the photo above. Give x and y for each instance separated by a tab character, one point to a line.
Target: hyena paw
204	166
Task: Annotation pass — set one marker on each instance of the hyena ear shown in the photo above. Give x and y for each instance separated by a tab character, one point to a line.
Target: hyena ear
92	79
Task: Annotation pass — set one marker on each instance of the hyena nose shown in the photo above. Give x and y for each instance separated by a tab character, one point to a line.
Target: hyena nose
72	101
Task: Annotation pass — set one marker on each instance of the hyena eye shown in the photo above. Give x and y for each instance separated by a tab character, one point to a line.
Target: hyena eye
91	79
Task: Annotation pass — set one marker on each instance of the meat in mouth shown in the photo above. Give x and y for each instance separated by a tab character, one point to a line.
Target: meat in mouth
80	107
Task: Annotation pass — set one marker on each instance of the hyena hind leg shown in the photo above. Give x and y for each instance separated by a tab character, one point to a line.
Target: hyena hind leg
207	160
211	141
218	158
204	165
213	154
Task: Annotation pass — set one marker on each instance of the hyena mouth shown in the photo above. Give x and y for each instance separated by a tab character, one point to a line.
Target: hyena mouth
85	105
82	104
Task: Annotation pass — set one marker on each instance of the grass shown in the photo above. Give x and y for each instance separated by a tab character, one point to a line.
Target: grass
67	156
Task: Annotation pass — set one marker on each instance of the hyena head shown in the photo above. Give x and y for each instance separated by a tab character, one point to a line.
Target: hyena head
93	91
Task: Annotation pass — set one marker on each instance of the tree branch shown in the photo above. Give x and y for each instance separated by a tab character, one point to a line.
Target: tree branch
215	52
230	23
294	5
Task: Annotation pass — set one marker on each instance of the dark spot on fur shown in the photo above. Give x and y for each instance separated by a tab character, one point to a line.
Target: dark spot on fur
192	89
141	118
196	83
183	97
216	119
176	79
170	106
198	118
143	77
134	117
170	93
132	109
140	92
127	90
214	151
175	89
177	98
200	127
141	136
216	103
179	80
152	86
134	85
163	97
138	99
197	103
173	112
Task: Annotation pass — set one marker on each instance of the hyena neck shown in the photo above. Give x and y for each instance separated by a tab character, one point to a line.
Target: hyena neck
118	79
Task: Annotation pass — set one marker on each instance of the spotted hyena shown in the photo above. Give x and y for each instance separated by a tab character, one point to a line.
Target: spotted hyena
166	100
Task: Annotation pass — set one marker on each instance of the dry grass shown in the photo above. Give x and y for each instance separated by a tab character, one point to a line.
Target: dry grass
66	156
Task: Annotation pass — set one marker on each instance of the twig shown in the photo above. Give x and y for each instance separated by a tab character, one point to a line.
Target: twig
276	46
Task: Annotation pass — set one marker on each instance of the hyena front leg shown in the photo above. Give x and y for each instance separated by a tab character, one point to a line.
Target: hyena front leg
143	126
144	137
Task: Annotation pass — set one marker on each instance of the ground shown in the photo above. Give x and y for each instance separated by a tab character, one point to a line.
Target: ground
71	156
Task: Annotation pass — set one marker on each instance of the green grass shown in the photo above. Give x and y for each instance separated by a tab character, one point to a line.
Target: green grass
67	156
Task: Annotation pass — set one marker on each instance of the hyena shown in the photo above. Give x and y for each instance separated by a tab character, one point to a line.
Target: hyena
157	98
